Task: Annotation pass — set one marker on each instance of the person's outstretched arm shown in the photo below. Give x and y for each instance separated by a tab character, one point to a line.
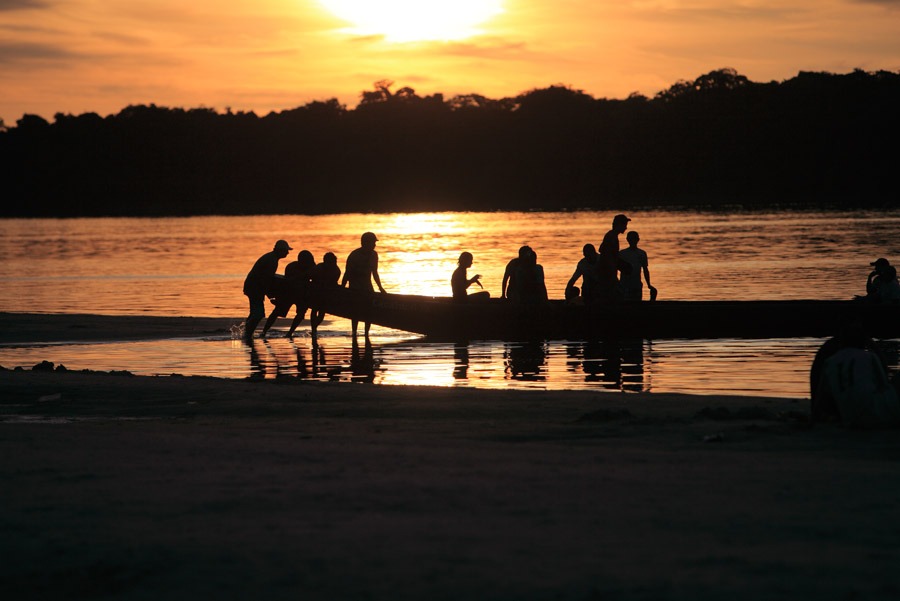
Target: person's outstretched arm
375	275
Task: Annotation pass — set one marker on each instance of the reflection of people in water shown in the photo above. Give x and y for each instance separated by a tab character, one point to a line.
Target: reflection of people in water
608	260
258	283
526	361
510	286
296	282
327	273
459	282
632	288
361	269
603	363
257	369
586	269
461	360
529	278
362	365
882	284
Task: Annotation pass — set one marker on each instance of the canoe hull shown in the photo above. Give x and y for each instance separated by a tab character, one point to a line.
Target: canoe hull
498	319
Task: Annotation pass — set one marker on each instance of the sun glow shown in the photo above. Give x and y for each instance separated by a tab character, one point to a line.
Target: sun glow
415	20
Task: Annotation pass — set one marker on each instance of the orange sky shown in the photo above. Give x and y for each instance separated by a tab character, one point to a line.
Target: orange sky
77	56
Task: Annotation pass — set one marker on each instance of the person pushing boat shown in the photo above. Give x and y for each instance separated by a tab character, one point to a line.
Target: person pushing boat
325	274
360	270
258	284
294	292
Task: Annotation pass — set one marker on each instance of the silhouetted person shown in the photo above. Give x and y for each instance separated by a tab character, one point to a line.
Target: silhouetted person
608	259
327	273
361	269
509	288
849	382
459	282
632	288
296	283
258	283
529	278
586	269
882	284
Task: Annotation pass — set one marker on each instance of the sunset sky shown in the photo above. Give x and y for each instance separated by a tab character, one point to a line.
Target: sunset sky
76	56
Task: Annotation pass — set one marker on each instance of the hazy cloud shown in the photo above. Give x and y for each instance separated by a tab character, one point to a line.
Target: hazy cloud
490	48
22	4
16	52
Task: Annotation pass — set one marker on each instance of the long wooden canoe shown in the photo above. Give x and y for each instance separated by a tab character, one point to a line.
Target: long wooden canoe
441	318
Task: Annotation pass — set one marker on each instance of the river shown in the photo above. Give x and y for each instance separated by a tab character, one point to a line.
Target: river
194	266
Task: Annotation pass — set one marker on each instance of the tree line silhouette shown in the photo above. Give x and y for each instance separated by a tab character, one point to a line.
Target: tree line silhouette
720	140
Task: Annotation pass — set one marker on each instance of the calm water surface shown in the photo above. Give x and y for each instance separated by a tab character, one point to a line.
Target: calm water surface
195	266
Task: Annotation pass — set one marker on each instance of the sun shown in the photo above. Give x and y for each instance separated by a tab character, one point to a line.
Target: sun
415	20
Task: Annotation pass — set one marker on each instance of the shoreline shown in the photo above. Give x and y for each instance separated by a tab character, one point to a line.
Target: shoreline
22	328
179	487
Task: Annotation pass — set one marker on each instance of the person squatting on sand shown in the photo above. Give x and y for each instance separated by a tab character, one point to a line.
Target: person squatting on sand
360	270
258	284
849	382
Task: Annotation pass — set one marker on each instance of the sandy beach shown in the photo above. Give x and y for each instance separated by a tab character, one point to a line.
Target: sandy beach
125	487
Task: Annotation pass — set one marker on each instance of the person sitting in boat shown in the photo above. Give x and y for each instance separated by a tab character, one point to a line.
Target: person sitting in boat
586	269
509	288
608	263
360	270
529	278
459	282
296	282
632	287
882	284
327	273
258	284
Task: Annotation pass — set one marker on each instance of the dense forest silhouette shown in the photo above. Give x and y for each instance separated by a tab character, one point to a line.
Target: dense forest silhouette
818	139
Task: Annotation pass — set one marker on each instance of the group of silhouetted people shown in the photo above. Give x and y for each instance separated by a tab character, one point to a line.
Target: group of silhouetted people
523	278
300	277
611	274
290	291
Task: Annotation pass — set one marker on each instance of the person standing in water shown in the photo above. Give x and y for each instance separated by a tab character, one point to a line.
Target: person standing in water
296	283
259	282
608	259
360	270
327	273
632	288
459	282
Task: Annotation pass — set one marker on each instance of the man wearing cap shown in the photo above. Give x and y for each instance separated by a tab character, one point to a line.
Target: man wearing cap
360	270
882	284
608	258
259	281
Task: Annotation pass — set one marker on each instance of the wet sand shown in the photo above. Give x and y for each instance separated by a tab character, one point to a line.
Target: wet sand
183	487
